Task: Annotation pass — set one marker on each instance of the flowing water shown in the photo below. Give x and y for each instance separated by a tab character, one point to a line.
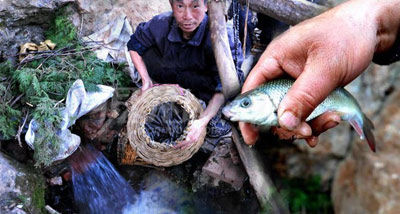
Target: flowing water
99	188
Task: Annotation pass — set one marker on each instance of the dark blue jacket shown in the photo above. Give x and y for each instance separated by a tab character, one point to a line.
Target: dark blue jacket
189	63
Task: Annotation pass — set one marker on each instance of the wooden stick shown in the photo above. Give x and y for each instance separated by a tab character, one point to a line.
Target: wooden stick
245	28
221	48
288	11
18	136
51	210
267	195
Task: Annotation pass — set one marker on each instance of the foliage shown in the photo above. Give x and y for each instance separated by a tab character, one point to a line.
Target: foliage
307	196
9	120
44	84
9	116
62	31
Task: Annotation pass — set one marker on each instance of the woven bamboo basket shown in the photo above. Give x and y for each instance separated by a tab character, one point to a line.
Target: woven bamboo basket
143	148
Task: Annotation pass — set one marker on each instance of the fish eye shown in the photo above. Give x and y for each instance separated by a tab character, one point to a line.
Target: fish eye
245	103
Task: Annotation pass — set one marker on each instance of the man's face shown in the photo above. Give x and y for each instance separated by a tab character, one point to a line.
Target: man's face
188	14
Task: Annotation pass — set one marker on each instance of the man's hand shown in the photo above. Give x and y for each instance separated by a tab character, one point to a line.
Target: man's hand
194	134
199	125
322	53
146	84
141	68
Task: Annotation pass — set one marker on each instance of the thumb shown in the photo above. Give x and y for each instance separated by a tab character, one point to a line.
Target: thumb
311	87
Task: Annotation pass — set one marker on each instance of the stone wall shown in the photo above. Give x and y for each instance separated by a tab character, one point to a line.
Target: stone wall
24	21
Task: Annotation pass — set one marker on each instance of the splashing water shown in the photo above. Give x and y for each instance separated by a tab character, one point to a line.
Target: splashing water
160	195
98	187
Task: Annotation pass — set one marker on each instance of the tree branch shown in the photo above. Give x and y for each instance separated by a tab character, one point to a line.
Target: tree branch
288	11
222	50
267	195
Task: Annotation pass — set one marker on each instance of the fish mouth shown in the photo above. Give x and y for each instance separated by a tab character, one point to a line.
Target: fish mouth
228	114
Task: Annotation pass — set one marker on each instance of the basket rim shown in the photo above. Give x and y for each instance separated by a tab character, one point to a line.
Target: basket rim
158	153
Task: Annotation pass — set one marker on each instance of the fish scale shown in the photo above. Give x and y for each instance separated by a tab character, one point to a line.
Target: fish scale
259	106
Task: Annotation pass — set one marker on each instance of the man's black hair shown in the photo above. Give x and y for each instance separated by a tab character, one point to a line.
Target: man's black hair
171	1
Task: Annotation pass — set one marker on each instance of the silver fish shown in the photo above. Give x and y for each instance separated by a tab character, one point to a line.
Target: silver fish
259	106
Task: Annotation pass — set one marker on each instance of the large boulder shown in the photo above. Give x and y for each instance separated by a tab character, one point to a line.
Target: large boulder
110	24
368	182
97	14
21	187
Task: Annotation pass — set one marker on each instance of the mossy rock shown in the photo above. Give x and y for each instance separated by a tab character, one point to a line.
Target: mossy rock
22	188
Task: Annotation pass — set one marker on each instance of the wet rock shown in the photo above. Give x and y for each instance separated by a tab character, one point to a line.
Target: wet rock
221	166
93	121
102	125
56	181
368	182
21	188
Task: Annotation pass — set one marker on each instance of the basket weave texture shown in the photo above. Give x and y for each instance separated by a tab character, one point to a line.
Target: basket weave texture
140	106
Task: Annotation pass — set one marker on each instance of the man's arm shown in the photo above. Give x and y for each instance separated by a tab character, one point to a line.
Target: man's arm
199	125
140	41
141	68
213	106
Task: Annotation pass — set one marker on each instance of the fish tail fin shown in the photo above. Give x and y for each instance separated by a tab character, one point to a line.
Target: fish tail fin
364	126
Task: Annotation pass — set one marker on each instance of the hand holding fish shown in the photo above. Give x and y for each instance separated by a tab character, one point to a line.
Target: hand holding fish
260	105
322	54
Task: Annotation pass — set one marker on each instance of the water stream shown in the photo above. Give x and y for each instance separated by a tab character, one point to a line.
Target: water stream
99	188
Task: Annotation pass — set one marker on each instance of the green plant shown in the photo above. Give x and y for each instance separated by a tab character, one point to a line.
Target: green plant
306	196
38	87
62	31
9	116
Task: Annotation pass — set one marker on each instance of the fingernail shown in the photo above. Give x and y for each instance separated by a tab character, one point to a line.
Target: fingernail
305	130
289	121
313	141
